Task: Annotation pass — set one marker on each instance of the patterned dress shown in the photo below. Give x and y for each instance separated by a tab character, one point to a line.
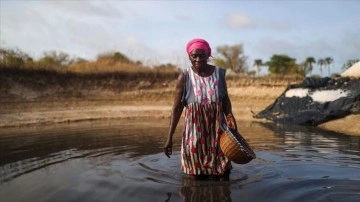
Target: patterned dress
204	122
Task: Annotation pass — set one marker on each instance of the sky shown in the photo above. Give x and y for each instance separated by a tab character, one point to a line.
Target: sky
156	32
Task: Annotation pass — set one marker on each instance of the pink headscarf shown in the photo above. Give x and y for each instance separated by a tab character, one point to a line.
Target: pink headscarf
198	44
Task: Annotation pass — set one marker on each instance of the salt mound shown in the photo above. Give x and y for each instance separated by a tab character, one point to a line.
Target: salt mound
297	92
353	71
323	96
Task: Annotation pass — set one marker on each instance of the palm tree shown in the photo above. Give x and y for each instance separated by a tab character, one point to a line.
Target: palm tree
328	62
308	64
258	63
321	63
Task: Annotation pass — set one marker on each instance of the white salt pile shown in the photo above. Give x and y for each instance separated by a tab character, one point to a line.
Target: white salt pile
328	95
321	96
297	92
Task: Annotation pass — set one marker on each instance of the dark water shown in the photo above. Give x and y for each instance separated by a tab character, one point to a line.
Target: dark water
123	161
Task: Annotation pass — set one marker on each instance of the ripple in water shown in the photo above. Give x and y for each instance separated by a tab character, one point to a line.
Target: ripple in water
123	161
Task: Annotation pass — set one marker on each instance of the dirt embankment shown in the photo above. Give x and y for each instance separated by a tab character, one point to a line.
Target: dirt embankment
43	97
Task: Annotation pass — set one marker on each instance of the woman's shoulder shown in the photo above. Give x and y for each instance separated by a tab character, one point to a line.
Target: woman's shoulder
186	70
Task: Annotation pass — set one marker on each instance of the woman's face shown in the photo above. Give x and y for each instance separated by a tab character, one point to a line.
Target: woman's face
198	58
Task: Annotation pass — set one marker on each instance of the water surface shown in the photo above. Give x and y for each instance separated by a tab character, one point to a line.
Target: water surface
122	160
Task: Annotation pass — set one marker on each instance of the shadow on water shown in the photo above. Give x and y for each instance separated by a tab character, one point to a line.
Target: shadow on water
123	161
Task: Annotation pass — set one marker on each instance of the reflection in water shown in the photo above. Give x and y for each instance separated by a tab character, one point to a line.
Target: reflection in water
123	161
314	139
199	190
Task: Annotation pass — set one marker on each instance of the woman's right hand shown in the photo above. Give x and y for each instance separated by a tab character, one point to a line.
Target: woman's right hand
168	148
230	120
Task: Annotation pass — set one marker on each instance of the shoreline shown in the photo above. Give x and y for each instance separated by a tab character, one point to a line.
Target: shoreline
39	114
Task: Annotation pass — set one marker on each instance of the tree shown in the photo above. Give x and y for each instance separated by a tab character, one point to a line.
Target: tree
114	57
328	62
54	60
119	57
283	65
321	63
308	64
232	57
258	63
13	58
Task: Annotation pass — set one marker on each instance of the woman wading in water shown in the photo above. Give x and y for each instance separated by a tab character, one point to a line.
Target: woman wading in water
202	90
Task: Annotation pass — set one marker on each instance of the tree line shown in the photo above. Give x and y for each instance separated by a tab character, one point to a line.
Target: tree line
279	64
284	64
52	59
231	57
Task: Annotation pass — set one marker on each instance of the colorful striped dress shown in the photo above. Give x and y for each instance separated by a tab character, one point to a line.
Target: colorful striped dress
204	122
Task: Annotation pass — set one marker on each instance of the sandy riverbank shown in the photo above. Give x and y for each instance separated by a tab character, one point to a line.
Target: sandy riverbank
149	103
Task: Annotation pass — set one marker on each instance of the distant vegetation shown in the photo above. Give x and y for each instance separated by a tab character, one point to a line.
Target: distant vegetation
231	57
62	62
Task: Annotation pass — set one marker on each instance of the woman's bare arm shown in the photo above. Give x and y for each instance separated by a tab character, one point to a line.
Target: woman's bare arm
175	113
227	109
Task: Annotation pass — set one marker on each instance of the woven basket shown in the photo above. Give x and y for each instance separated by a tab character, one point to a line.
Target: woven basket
235	147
